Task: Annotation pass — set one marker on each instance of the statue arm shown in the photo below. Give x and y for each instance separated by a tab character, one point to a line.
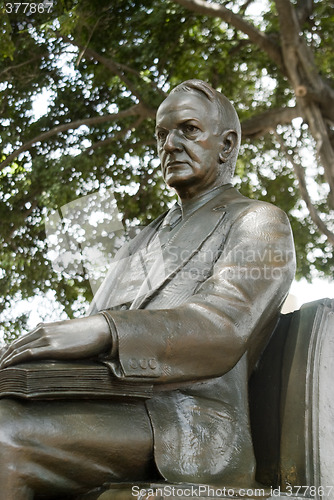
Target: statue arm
204	337
207	335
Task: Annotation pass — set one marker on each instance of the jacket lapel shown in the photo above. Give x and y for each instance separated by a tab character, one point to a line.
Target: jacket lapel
164	263
115	288
182	247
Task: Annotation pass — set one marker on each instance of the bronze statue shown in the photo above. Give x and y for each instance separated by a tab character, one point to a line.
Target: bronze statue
195	334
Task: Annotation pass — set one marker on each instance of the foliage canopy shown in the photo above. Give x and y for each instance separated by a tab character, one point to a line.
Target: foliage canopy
106	66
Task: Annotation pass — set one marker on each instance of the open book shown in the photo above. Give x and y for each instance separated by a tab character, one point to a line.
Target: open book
67	380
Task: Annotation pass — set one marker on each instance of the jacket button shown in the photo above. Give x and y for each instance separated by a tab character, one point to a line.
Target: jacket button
152	364
133	364
143	364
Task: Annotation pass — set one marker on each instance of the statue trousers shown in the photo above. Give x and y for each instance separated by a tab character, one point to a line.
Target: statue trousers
57	447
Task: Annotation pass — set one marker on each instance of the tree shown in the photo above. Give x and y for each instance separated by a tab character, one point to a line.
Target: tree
106	66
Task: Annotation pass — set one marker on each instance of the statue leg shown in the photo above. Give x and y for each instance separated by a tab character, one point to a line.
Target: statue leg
56	447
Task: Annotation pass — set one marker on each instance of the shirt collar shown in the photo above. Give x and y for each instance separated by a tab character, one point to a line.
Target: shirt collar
190	206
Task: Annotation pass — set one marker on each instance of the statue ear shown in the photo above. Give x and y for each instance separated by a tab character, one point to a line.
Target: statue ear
229	142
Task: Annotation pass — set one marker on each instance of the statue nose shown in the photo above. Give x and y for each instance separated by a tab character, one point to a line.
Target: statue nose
172	142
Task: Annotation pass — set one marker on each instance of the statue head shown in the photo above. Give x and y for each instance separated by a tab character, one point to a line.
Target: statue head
198	137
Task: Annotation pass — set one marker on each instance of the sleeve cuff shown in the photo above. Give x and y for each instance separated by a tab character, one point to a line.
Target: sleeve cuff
113	333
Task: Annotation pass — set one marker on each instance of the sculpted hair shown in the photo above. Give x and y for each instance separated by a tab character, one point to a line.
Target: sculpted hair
228	117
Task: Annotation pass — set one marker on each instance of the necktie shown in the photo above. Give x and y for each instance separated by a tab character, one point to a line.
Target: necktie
170	221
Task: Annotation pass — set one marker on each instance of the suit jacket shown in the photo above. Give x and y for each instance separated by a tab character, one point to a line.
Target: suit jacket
196	322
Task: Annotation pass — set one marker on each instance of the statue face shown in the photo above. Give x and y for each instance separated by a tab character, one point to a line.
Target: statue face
188	144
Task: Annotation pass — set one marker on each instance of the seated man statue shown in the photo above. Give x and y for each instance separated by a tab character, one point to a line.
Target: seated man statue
195	333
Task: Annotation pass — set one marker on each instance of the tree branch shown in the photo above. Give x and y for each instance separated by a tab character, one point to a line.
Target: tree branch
299	59
304	10
9	237
117	136
24	63
115	68
256	36
308	83
108	63
325	150
299	172
245	6
267	121
133	111
87	43
289	24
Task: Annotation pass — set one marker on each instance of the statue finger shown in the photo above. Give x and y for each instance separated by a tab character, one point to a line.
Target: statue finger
26	355
24	339
26	352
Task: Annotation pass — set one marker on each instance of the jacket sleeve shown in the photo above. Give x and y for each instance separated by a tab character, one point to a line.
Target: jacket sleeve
207	335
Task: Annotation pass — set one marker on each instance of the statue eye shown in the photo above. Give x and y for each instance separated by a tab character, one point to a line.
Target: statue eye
161	135
190	129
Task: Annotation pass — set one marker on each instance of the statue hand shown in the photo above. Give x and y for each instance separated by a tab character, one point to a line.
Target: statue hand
71	339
